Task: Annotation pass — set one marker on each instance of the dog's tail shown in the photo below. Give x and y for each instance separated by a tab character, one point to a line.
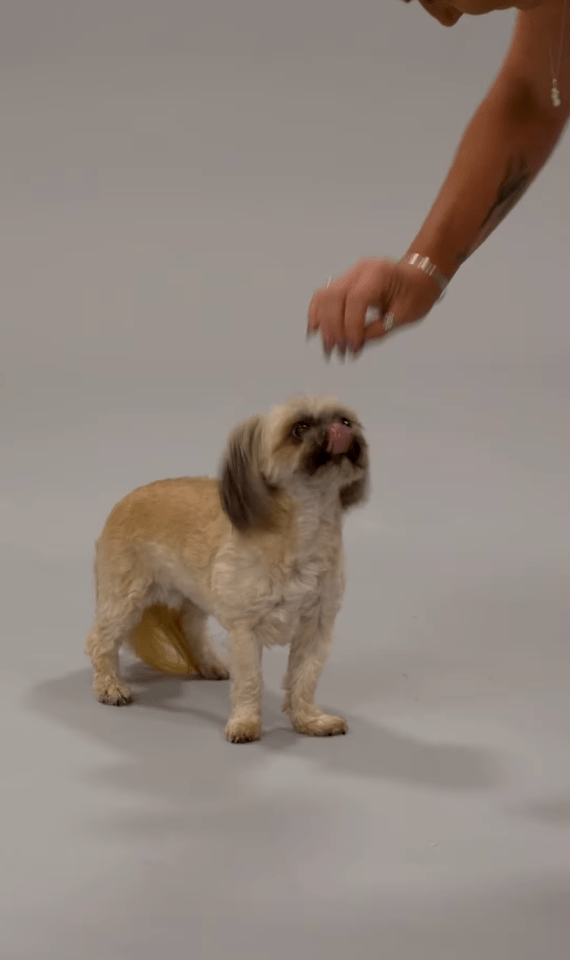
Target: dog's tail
158	641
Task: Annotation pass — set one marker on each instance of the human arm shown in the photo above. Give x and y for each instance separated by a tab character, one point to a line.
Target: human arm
508	141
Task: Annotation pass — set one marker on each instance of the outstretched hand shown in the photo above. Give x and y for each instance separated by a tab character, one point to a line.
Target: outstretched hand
401	294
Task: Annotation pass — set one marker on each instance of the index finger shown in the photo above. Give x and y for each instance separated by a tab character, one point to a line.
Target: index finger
357	304
312	319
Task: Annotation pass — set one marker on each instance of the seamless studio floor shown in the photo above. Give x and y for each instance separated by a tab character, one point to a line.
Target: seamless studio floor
175	181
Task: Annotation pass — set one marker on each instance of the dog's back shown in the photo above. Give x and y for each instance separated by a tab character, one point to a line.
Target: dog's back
183	514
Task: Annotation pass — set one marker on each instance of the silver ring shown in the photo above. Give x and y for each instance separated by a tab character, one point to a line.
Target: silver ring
373	315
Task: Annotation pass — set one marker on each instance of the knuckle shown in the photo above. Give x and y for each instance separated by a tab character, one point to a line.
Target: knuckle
358	296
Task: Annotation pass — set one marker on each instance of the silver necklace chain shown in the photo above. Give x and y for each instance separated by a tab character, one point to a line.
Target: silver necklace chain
554	90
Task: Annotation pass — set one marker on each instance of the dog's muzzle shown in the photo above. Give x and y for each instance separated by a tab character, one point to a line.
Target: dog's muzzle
335	443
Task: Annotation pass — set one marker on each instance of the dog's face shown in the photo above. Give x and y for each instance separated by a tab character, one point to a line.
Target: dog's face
310	444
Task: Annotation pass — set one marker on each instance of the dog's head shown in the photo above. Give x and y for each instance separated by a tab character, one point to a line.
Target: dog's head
309	446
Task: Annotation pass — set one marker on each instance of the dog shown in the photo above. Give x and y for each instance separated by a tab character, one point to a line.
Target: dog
260	549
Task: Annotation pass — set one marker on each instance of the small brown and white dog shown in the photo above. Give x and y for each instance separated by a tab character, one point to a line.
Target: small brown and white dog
260	550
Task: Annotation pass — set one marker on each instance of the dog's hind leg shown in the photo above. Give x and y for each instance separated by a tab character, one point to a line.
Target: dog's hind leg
103	644
194	627
118	609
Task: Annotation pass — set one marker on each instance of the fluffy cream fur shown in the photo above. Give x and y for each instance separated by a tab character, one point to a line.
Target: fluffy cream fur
260	550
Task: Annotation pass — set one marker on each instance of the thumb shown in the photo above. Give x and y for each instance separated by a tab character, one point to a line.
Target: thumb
381	320
407	304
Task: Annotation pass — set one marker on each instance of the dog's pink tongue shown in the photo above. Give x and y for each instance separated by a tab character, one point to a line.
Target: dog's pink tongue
340	437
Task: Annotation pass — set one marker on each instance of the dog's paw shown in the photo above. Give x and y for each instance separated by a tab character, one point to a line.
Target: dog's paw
112	692
215	670
321	725
243	729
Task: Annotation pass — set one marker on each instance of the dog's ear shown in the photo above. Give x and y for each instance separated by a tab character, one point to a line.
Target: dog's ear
244	493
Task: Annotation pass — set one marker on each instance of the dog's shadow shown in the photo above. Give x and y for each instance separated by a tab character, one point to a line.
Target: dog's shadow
171	746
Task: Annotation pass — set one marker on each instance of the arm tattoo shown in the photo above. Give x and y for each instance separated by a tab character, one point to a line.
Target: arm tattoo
509	193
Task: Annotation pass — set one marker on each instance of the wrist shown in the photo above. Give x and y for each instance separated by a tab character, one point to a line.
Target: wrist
447	261
424	263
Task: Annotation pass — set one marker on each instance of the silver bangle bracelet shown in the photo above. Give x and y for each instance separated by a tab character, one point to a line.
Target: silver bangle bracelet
425	264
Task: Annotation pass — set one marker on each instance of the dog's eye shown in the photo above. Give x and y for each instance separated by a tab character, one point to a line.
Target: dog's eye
299	429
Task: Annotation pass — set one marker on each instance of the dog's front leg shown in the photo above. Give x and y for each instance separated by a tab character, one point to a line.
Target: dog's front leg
307	657
244	723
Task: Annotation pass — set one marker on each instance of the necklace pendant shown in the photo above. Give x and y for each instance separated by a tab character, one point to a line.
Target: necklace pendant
555	94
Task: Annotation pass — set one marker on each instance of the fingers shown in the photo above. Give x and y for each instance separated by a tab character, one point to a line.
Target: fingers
326	313
312	324
339	310
356	330
357	304
340	317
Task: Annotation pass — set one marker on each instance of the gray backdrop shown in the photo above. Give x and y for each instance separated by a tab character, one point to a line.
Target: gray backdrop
176	178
